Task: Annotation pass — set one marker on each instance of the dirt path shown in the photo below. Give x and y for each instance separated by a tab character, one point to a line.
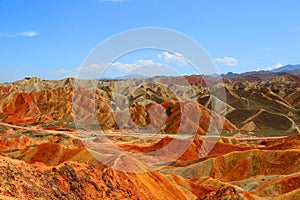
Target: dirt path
139	135
69	133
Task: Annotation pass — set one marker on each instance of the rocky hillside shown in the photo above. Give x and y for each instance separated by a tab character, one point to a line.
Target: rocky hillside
126	153
253	107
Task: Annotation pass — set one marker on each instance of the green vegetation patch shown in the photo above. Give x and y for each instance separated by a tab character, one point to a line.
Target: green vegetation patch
3	128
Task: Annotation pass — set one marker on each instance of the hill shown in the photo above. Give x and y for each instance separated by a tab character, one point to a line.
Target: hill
189	137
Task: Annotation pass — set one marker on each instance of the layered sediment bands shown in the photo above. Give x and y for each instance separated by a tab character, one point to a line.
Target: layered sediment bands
242	165
82	181
55	105
263	120
14	143
249	105
278	186
45	106
153	118
192	153
180	117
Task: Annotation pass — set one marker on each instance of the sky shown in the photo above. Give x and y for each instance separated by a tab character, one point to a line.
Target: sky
52	39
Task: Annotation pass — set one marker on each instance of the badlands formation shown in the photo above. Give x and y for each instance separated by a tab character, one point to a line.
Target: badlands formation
237	140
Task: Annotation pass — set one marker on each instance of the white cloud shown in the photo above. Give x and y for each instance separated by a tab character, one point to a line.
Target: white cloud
278	65
229	61
24	34
63	73
7	35
175	58
91	68
131	66
117	66
29	33
145	68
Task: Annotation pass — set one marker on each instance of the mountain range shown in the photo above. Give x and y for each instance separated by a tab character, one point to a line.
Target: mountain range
286	68
50	148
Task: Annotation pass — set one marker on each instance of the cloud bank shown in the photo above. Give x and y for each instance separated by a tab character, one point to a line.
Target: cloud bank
175	58
229	61
23	34
29	33
278	65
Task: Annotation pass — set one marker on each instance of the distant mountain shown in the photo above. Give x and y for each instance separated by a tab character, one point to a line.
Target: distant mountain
254	75
286	68
264	75
131	76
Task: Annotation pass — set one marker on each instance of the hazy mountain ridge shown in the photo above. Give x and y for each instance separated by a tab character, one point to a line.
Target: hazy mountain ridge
286	68
263	75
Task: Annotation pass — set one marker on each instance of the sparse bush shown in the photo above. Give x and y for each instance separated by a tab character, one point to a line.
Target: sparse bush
74	186
47	173
8	183
108	191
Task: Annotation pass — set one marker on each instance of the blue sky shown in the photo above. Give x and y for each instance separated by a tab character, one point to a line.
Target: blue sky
51	39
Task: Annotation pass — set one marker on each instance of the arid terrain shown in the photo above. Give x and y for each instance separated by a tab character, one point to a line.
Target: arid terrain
239	139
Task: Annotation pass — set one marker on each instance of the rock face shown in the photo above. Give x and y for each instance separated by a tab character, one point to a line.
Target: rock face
44	154
248	105
270	105
81	181
230	170
46	106
143	110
